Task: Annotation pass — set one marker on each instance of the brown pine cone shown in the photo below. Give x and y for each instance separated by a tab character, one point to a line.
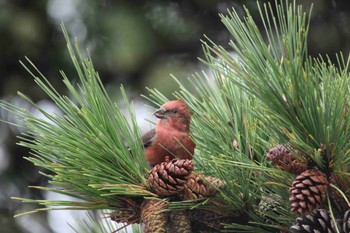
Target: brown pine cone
270	208
169	177
196	187
152	216
207	220
179	222
284	158
129	214
318	221
308	191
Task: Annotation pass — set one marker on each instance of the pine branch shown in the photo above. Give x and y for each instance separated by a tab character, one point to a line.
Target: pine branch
231	144
305	100
90	152
271	93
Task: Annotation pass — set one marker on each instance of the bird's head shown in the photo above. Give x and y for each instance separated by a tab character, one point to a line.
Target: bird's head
175	114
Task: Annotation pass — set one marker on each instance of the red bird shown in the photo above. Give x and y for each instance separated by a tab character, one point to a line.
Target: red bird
171	137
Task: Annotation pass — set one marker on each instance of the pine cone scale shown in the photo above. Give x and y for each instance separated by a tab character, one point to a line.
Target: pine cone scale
306	192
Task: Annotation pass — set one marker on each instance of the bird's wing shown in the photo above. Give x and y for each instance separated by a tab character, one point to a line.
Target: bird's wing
148	138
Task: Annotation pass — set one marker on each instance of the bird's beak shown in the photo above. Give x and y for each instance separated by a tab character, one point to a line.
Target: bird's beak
160	113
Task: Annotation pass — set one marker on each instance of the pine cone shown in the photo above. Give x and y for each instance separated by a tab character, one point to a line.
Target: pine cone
169	177
346	221
179	222
196	187
270	204
129	214
284	159
155	221
308	191
207	221
318	221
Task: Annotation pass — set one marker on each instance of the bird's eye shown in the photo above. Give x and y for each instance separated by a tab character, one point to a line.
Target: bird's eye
174	111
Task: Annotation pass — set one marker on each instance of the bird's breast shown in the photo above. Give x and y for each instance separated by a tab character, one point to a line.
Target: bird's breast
173	144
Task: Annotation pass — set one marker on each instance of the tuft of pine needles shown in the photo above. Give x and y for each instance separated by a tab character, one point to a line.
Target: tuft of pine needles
305	100
89	152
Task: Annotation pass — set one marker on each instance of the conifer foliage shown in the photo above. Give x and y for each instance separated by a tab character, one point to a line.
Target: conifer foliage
271	128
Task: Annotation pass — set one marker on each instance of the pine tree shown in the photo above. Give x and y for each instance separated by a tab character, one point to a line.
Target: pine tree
270	124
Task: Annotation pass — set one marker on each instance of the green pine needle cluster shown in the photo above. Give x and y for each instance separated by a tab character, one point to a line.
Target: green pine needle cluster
305	100
91	151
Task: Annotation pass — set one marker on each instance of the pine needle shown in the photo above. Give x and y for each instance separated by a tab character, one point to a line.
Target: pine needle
90	152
